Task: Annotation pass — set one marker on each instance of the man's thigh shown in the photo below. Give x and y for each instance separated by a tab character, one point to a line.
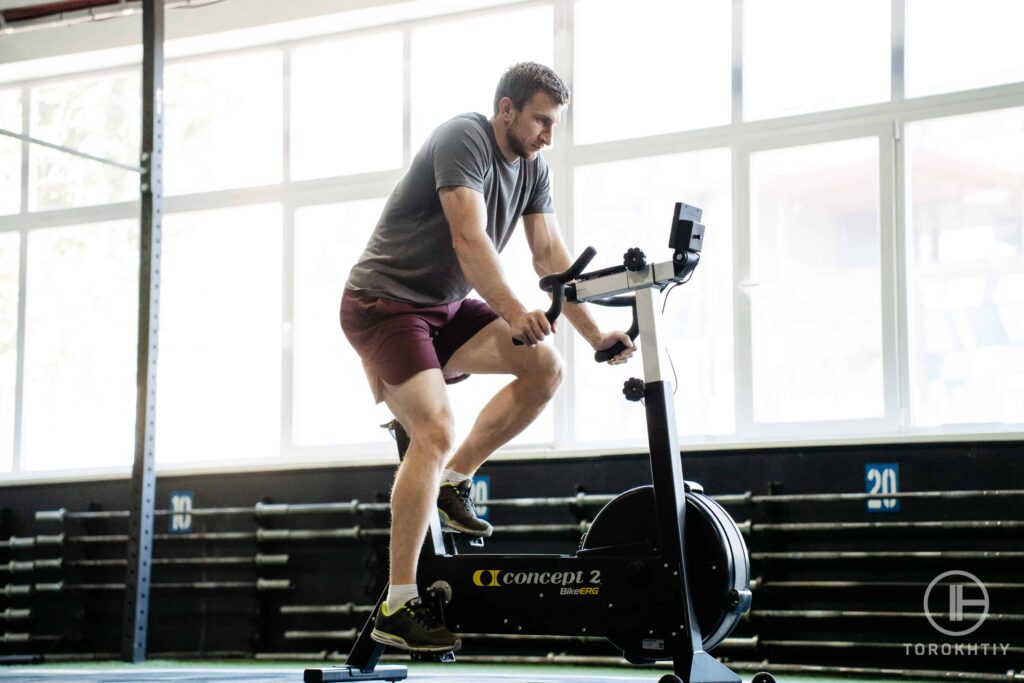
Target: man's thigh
491	352
420	400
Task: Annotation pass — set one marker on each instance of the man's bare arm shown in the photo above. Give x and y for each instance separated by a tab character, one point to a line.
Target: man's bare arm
467	215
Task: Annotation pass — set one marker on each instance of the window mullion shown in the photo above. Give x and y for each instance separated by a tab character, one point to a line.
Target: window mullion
562	172
742	289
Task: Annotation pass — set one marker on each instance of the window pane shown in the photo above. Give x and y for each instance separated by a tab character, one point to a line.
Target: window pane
650	40
329	103
956	45
10	152
966	268
816	282
9	246
629	204
219	382
99	115
223	123
474	48
802	56
332	401
80	347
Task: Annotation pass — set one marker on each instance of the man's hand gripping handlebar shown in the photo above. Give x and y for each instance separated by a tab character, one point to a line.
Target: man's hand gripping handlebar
556	284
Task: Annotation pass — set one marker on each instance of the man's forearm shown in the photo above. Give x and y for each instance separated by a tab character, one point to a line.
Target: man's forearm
482	268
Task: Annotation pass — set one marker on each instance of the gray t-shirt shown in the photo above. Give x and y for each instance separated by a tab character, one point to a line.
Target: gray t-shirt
410	256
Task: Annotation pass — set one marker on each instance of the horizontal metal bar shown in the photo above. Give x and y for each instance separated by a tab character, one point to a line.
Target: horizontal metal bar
32	541
944	525
25	638
873	555
346	609
349	507
11	614
759	583
203	536
259	585
579	500
321	635
836	497
177	561
855	614
68	150
861	672
27	566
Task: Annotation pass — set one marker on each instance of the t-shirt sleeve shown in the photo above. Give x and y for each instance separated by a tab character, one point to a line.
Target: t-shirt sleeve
540	199
460	155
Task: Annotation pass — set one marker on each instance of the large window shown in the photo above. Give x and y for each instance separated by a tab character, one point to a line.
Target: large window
223	123
98	115
815	294
954	45
79	396
659	67
9	294
803	56
861	175
219	381
966	268
346	106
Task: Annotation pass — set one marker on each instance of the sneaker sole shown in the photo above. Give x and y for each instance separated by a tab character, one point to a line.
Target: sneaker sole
447	522
400	643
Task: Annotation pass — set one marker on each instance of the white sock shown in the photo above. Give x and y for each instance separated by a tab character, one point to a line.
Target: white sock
399	595
453	477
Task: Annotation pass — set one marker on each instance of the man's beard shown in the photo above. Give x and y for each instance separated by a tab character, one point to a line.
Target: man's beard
514	143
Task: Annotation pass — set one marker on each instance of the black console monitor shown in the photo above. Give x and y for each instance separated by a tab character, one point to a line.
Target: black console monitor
687	232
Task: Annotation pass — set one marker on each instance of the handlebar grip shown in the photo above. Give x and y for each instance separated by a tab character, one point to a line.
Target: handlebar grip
619	347
608	354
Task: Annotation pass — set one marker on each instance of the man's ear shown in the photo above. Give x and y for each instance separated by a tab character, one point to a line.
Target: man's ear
505	106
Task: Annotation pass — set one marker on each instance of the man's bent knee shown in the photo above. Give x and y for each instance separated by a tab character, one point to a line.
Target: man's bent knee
434	439
546	370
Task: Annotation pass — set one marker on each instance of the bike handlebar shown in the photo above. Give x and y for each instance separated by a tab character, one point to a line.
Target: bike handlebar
555	283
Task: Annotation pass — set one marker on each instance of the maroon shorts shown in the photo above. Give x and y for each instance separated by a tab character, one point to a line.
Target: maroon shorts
396	340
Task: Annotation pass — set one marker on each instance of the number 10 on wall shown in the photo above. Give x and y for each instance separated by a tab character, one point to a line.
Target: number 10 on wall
881	479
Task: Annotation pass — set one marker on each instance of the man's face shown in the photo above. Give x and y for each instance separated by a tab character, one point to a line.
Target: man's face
531	128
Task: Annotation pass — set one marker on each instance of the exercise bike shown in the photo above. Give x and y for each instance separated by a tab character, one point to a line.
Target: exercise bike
630	580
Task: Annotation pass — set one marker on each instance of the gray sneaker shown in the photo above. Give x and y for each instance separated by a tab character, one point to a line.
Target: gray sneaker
458	512
413	627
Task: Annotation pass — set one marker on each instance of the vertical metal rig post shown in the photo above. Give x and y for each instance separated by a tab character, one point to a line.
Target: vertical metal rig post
143	484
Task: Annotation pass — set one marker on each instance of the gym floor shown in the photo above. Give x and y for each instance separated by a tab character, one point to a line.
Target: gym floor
167	671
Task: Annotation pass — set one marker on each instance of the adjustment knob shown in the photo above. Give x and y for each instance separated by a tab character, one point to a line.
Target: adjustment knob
633	389
634	259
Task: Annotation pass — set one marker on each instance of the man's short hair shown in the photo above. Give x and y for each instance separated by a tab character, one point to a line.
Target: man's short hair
521	81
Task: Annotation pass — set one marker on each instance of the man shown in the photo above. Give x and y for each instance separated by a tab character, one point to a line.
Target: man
406	313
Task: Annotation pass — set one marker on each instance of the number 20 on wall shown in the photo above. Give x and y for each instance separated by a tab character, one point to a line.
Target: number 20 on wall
881	479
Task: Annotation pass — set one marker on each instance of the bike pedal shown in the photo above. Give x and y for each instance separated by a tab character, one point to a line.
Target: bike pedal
442	657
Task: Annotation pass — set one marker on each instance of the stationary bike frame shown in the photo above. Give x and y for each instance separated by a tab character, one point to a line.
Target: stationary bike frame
555	594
